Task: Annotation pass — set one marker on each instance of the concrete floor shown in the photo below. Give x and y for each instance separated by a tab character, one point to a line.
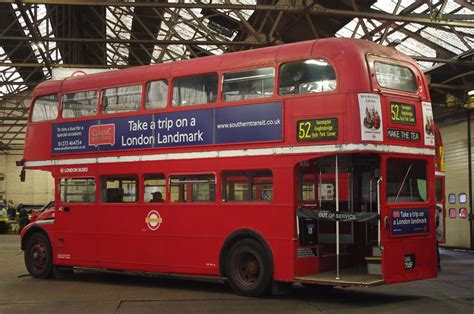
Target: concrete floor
99	292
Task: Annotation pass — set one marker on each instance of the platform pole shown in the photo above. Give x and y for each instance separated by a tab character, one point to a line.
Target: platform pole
337	222
379	233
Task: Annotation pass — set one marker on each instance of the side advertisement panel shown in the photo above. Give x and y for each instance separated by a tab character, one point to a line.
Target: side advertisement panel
409	221
242	124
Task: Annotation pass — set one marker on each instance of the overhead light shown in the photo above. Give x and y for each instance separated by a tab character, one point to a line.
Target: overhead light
316	62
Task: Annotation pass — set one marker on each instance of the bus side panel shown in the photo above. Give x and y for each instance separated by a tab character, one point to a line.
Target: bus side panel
196	236
424	251
38	142
304	265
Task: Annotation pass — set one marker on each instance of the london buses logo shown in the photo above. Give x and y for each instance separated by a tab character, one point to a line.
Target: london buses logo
153	220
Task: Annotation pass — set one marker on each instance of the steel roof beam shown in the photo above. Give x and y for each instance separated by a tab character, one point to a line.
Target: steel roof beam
444	60
137	41
296	8
14	118
33	29
61	65
145	25
17	51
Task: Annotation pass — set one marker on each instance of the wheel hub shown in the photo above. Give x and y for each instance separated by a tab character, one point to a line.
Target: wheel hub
38	254
248	268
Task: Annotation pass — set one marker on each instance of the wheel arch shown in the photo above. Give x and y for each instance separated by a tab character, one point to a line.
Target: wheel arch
237	236
32	230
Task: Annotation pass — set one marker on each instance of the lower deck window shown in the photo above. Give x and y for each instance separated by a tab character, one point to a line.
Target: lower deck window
77	190
307	186
406	180
192	188
119	189
248	186
155	188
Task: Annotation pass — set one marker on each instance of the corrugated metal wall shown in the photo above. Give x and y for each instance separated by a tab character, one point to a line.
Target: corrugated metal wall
455	139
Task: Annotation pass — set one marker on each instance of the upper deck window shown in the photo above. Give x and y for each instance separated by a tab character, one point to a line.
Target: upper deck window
306	77
195	90
45	108
156	94
121	99
250	84
395	77
80	104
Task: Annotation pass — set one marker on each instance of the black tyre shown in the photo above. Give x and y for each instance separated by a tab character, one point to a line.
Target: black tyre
249	269
38	256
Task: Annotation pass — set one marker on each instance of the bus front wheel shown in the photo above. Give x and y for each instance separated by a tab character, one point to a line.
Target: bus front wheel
38	257
248	268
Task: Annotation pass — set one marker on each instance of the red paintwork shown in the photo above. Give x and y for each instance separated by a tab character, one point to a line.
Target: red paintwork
46	215
190	237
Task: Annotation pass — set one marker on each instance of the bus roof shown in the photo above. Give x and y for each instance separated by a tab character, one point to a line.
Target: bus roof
348	50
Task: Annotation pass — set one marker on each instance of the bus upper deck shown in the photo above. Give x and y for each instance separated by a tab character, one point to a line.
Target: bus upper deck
365	94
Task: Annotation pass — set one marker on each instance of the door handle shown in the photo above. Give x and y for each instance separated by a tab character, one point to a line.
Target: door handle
65	208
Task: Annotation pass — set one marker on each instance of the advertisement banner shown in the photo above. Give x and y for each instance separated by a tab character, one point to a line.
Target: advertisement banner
243	124
73	137
409	221
428	123
250	123
371	122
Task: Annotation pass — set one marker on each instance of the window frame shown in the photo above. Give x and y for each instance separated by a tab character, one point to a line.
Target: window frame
98	105
278	77
102	95
387	199
218	89
275	76
145	94
250	174
211	199
392	63
146	176
34	106
76	178
103	187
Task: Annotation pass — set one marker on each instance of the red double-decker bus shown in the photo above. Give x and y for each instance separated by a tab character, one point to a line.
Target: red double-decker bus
310	162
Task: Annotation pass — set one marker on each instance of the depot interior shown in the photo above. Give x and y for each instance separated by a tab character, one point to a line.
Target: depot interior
44	41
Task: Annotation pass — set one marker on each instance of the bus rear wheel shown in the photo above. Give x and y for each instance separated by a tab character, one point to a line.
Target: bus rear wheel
248	269
38	257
